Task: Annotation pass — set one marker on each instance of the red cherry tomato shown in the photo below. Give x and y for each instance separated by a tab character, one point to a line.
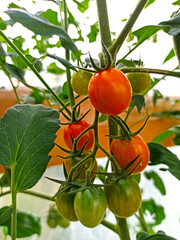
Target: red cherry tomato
125	151
74	130
110	91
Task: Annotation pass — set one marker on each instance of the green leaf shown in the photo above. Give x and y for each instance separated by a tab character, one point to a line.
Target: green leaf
139	102
157	181
176	3
176	130
155	210
5	178
146	32
3	25
15	72
156	95
158	236
41	26
170	55
27	225
5	214
93	33
162	136
51	16
102	118
149	3
167	114
53	68
161	155
173	24
82	6
63	61
27	134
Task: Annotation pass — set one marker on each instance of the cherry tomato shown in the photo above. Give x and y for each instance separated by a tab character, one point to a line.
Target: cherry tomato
70	162
74	130
123	196
125	151
110	91
65	205
139	81
90	206
80	81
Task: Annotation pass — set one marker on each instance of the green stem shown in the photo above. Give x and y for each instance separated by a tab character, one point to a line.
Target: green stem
109	225
150	70
122	36
103	22
67	55
14	213
31	66
123	228
8	75
142	220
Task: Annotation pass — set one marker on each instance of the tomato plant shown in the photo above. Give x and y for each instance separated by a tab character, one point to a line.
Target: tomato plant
81	170
110	91
123	196
125	151
139	81
73	130
80	81
65	205
90	206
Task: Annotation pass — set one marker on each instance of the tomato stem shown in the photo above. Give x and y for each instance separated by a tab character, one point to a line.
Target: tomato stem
14	212
123	34
142	220
109	225
123	228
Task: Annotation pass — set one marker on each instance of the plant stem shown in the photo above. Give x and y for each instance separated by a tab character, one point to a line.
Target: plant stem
123	228
9	76
31	66
67	56
103	22
123	34
150	70
109	225
142	220
14	213
40	195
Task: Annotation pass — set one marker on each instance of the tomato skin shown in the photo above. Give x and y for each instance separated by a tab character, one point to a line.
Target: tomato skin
125	151
70	162
110	91
90	207
80	81
139	81
74	130
123	196
65	205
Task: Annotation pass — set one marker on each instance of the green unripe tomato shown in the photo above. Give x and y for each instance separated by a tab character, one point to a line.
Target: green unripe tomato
62	222
90	206
80	82
139	81
65	205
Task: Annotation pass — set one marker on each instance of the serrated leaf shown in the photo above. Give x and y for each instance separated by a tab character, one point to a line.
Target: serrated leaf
173	24
41	26
51	16
27	134
155	210
93	33
82	6
161	155
63	61
27	225
157	181
170	55
139	102
157	236
5	214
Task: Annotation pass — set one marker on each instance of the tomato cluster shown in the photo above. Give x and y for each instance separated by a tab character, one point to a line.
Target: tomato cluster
110	93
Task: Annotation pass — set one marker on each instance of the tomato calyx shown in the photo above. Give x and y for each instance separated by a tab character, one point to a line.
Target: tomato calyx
125	132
